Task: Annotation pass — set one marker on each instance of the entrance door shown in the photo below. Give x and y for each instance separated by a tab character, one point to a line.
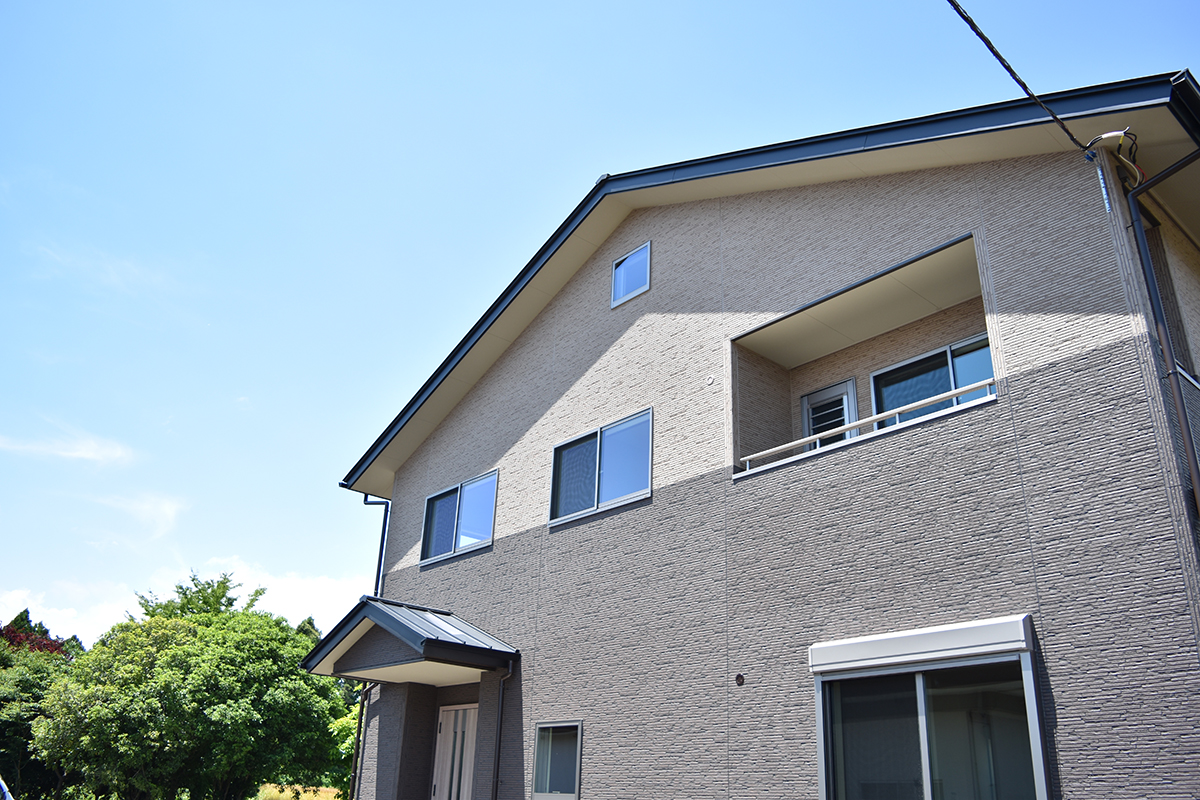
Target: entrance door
454	759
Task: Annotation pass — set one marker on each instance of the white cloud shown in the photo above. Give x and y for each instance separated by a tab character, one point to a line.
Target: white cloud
294	595
76	445
158	512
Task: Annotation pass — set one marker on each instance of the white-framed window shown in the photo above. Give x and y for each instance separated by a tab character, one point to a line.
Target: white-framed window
930	714
556	760
460	518
602	468
828	409
928	375
631	275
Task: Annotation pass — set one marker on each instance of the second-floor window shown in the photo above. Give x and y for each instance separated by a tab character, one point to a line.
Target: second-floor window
602	468
460	518
631	275
931	374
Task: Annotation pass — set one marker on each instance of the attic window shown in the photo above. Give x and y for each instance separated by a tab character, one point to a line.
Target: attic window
631	275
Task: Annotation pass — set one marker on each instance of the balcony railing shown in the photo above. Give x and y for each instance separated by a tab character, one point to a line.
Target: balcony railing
893	413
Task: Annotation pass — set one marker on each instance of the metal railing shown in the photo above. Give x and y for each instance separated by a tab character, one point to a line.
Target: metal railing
893	413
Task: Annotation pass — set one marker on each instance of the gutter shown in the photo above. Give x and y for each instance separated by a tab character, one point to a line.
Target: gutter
1160	320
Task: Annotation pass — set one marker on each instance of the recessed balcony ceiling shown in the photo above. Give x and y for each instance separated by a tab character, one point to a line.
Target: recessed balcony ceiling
902	294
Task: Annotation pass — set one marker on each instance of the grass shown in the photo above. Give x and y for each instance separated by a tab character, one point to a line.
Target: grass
271	791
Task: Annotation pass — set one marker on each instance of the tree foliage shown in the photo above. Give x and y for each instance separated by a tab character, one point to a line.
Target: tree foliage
202	597
199	697
23	633
30	660
344	731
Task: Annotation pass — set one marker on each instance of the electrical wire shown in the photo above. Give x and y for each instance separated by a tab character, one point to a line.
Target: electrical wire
967	19
1136	173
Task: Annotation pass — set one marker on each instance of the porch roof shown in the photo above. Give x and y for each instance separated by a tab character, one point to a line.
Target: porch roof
390	642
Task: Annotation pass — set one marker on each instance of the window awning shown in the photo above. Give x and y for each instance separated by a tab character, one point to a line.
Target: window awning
983	637
389	642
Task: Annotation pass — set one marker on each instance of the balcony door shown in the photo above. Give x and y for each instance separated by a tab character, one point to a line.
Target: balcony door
454	759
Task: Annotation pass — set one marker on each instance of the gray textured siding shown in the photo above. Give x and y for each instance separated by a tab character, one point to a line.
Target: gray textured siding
1062	499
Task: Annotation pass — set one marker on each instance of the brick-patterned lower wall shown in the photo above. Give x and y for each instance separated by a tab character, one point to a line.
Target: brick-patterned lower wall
637	621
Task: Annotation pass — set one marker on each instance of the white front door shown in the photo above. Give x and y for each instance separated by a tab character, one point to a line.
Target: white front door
454	760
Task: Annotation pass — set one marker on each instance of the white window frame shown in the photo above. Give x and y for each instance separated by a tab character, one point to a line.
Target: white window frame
948	350
847	391
578	725
616	301
919	651
598	507
455	550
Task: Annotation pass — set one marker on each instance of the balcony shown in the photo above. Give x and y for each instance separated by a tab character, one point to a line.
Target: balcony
899	348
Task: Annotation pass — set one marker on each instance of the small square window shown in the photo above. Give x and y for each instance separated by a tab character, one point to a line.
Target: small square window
602	468
927	376
631	275
460	518
556	761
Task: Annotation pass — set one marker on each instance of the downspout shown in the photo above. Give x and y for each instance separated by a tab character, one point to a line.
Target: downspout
387	510
356	762
499	725
1160	319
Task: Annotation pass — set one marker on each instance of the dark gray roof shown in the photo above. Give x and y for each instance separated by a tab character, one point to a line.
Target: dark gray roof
436	635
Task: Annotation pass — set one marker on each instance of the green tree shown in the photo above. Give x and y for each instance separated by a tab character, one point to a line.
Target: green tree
343	730
120	716
200	696
25	675
202	597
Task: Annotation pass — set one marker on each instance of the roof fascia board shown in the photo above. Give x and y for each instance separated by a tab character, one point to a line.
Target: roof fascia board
1088	101
331	640
1137	93
364	611
585	207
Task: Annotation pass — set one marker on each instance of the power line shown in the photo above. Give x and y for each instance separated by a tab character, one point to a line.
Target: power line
967	19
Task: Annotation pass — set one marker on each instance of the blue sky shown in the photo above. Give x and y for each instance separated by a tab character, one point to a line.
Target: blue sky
235	238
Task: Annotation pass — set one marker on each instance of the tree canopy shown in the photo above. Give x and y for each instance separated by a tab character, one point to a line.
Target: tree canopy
30	660
200	696
202	597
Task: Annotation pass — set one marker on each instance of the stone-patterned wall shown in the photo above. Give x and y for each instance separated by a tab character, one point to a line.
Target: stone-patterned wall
761	397
1056	500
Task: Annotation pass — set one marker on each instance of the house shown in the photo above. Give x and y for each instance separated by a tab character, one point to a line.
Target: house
854	467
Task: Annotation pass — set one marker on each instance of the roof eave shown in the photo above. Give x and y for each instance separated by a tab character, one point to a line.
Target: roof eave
1176	91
